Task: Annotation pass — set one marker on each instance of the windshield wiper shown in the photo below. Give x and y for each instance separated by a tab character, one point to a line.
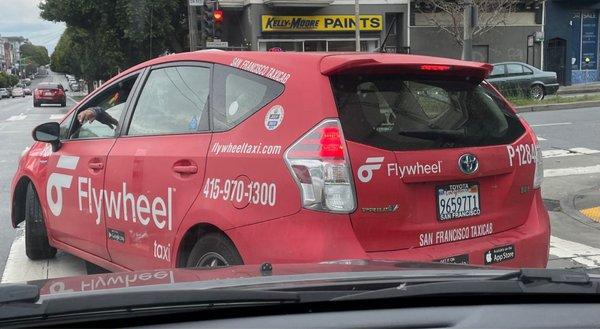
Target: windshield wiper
19	292
119	301
526	281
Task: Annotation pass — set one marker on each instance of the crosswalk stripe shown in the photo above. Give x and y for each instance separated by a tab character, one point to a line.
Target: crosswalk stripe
581	253
541	138
572	171
56	116
569	152
17	117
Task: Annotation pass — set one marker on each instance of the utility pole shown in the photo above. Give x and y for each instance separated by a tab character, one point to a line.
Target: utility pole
193	26
469	20
357	25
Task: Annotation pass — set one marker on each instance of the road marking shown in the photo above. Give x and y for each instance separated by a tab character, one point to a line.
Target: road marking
57	116
17	117
591	213
19	268
572	171
552	124
570	152
581	253
541	138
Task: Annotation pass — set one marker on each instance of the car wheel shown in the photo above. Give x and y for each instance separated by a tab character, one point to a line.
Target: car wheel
36	236
63	104
213	250
36	104
537	92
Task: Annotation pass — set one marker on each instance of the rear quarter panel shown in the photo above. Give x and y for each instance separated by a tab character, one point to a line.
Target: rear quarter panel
306	101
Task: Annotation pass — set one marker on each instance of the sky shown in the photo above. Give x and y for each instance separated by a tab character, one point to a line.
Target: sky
22	18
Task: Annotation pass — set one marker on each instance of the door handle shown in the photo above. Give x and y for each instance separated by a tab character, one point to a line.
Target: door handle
191	169
96	165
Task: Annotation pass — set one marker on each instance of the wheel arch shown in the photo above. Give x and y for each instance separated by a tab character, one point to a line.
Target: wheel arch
192	235
17	212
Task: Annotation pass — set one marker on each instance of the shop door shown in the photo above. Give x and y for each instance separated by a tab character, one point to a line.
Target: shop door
557	58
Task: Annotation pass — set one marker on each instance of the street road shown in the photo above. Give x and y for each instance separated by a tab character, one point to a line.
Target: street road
570	140
17	118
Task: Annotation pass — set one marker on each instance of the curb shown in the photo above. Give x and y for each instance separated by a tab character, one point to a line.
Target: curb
567	205
554	107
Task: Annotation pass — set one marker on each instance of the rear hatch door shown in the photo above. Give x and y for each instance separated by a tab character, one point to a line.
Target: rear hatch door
437	155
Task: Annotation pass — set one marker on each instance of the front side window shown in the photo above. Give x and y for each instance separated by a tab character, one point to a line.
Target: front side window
239	94
174	100
99	117
498	71
409	113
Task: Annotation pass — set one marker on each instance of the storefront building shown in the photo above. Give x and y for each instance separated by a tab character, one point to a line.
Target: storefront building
571	45
328	25
313	25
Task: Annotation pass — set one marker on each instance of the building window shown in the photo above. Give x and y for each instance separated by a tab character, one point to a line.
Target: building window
584	40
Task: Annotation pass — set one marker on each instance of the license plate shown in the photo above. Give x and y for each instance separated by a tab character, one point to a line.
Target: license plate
458	201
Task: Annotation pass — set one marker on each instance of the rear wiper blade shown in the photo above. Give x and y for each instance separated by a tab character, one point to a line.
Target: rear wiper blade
433	134
526	281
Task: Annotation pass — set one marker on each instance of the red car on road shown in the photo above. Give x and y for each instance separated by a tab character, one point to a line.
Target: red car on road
49	93
216	158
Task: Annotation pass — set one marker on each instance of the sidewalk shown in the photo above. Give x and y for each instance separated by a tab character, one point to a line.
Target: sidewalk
586	88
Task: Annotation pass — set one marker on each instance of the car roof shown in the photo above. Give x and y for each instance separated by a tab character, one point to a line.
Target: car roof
298	62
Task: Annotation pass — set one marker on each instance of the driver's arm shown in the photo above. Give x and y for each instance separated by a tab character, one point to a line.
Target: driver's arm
96	113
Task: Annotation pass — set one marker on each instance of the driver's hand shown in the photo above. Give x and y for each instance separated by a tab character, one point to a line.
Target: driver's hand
87	115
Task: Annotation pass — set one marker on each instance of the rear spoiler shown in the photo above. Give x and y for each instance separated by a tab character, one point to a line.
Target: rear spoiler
379	63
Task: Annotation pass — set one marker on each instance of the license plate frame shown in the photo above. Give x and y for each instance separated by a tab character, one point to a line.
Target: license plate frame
464	192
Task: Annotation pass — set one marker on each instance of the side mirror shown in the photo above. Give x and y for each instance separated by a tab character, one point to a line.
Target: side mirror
48	132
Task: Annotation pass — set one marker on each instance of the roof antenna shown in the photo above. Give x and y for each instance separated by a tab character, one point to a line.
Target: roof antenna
381	48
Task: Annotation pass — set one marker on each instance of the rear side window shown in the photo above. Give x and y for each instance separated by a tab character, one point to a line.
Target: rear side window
405	113
514	69
238	95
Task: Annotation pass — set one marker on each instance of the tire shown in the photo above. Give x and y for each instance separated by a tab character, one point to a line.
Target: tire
537	92
36	104
36	236
213	250
63	104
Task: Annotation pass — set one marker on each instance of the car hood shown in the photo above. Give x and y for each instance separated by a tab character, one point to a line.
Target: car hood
284	275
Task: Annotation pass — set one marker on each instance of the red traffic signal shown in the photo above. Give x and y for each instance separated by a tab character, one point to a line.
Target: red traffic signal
218	15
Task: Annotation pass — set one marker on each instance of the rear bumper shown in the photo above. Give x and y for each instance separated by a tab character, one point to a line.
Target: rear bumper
43	100
314	237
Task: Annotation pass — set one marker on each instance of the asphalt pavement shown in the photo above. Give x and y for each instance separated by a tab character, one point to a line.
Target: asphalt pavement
570	142
17	118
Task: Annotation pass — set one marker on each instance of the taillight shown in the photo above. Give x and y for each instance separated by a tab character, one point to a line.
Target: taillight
319	163
538	176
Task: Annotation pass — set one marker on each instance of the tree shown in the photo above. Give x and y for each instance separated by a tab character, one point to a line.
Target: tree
8	80
38	55
448	15
105	36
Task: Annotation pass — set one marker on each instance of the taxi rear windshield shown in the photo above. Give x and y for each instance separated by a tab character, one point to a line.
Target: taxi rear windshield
397	112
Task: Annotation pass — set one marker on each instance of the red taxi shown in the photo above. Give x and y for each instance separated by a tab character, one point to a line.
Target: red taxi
49	93
218	158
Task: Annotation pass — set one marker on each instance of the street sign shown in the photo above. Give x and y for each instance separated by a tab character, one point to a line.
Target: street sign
216	43
196	2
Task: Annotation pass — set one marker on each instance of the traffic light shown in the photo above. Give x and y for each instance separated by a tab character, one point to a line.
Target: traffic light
208	19
218	19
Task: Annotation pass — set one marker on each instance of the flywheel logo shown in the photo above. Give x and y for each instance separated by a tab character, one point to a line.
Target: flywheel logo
57	182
